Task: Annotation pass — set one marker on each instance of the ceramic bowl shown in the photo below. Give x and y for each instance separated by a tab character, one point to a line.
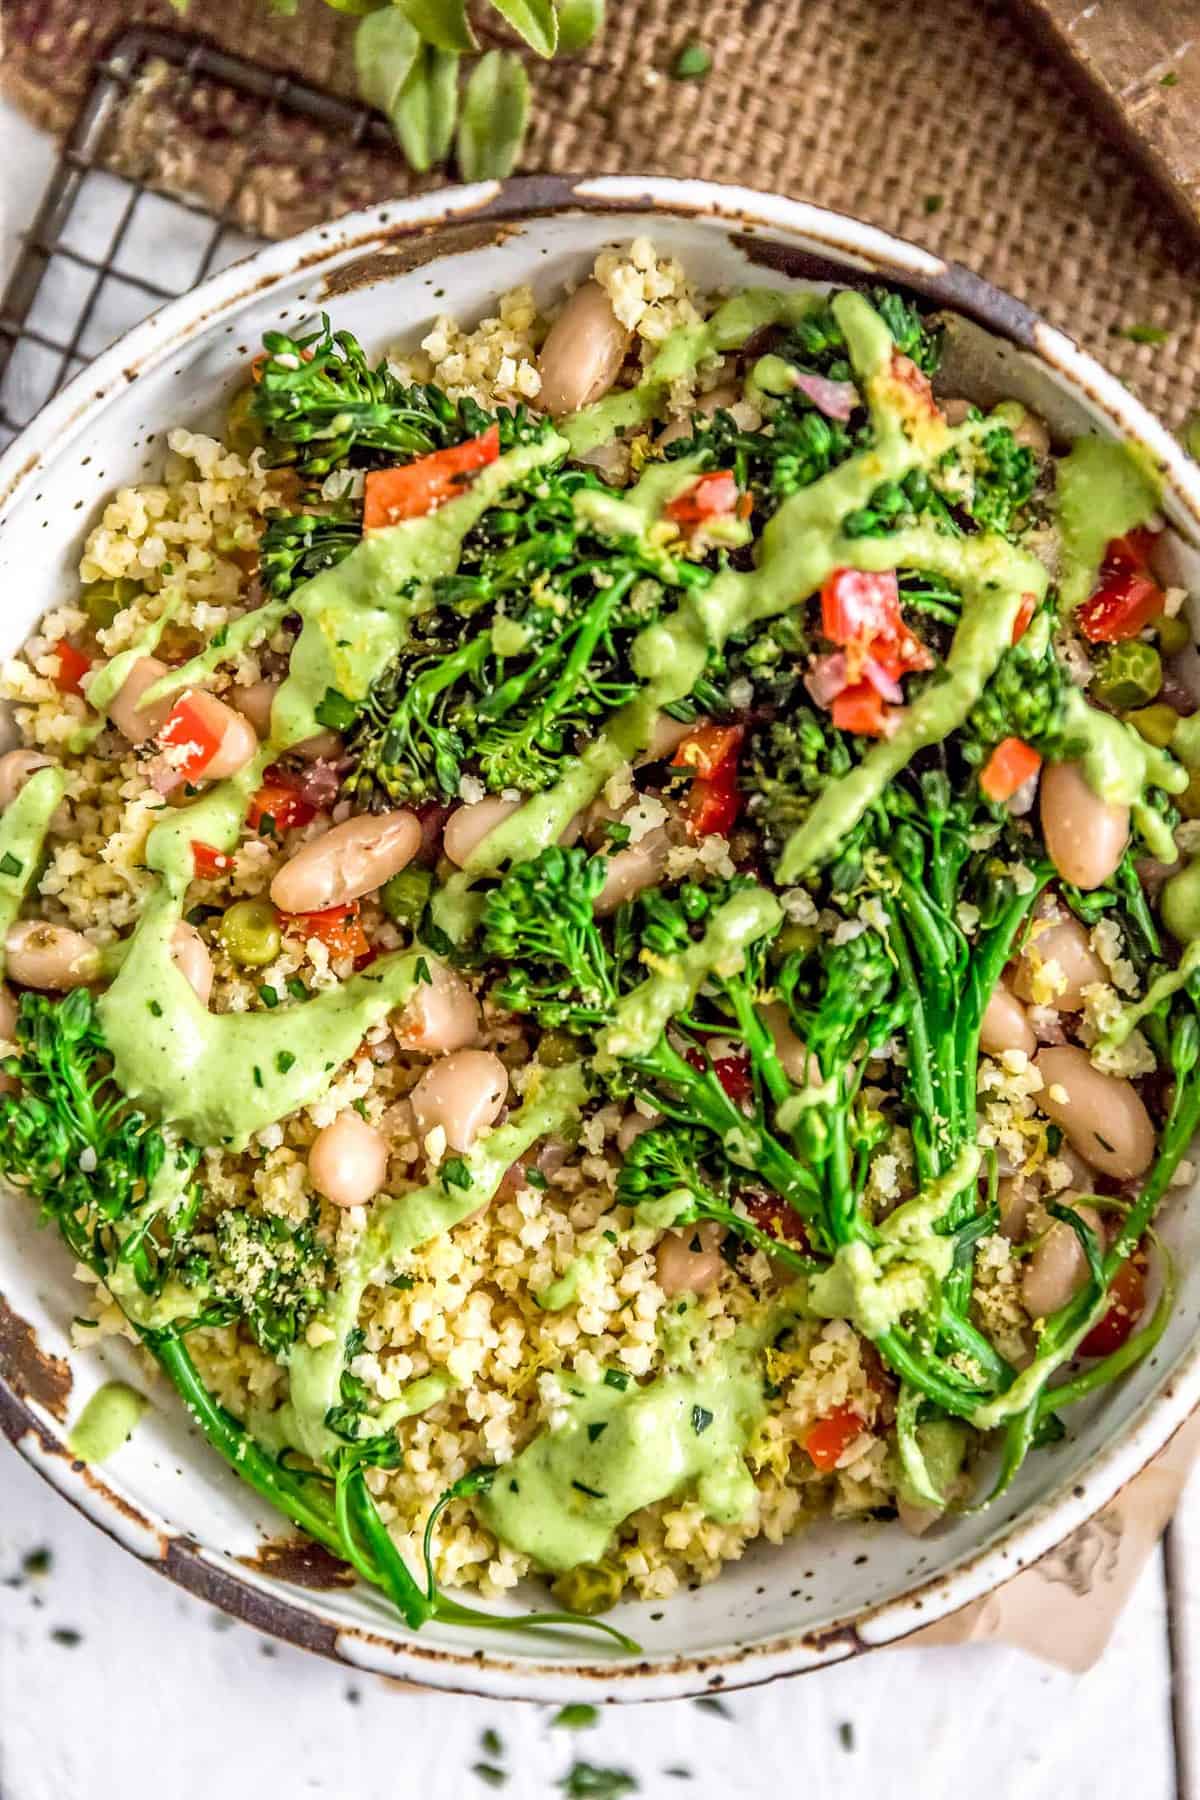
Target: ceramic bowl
829	1593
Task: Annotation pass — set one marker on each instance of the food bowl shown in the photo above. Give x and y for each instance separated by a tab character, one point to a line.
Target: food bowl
828	1593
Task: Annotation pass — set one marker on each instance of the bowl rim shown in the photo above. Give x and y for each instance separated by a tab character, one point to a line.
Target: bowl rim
386	227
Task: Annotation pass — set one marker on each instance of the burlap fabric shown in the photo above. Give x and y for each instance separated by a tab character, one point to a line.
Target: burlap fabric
938	119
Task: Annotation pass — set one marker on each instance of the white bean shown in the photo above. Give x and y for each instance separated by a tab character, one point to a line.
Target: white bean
1102	1115
1004	1025
347	1161
799	1065
235	735
462	1093
1085	836
1066	943
134	722
632	1126
468	825
583	352
1058	1268
442	1014
917	1519
630	870
189	953
689	1261
50	956
16	766
349	860
255	703
1014	1196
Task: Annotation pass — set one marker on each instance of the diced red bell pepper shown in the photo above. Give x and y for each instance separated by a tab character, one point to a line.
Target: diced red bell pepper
1127	1303
338	928
860	611
733	1073
280	802
713	496
1009	767
1127	596
187	728
827	1440
707	748
1024	618
861	709
208	863
715	799
772	1214
73	665
915	385
409	492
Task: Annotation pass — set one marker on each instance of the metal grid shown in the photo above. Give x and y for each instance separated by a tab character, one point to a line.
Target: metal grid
110	243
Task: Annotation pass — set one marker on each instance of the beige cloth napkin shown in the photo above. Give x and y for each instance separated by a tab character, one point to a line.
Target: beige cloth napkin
1065	1607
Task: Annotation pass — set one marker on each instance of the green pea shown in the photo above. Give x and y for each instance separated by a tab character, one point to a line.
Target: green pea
406	895
795	938
1173	635
591	1588
556	1049
1130	675
103	600
250	933
1154	723
243	433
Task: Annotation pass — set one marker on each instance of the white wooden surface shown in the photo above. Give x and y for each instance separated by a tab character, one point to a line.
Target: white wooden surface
116	1686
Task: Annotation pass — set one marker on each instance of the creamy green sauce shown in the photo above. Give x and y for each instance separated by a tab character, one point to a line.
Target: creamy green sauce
562	1498
23	828
1119	765
402	1223
1131	1015
1102	490
106	1422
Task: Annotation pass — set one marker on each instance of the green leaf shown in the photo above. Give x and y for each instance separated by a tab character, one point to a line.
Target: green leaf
442	23
692	64
355	9
579	21
385	49
495	117
427	106
536	20
281	9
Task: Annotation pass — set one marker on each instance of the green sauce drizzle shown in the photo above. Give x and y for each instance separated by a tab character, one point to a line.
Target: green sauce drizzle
23	828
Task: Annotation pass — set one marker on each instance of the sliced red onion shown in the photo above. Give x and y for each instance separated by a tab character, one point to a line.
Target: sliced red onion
884	684
827	677
836	399
318	784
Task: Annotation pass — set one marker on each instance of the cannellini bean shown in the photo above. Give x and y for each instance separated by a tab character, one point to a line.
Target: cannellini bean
237	740
134	722
468	825
16	766
1058	1267
1004	1025
349	860
255	703
667	735
1065	942
917	1520
1014	1196
630	870
189	953
462	1093
798	1065
689	1261
717	398
583	352
50	956
1102	1115
325	746
347	1161
1085	836
442	1014
1032	433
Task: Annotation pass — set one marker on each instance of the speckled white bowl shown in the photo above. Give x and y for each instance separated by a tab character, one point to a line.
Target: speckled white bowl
825	1595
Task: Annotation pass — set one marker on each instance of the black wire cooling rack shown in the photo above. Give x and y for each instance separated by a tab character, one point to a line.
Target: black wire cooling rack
135	214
